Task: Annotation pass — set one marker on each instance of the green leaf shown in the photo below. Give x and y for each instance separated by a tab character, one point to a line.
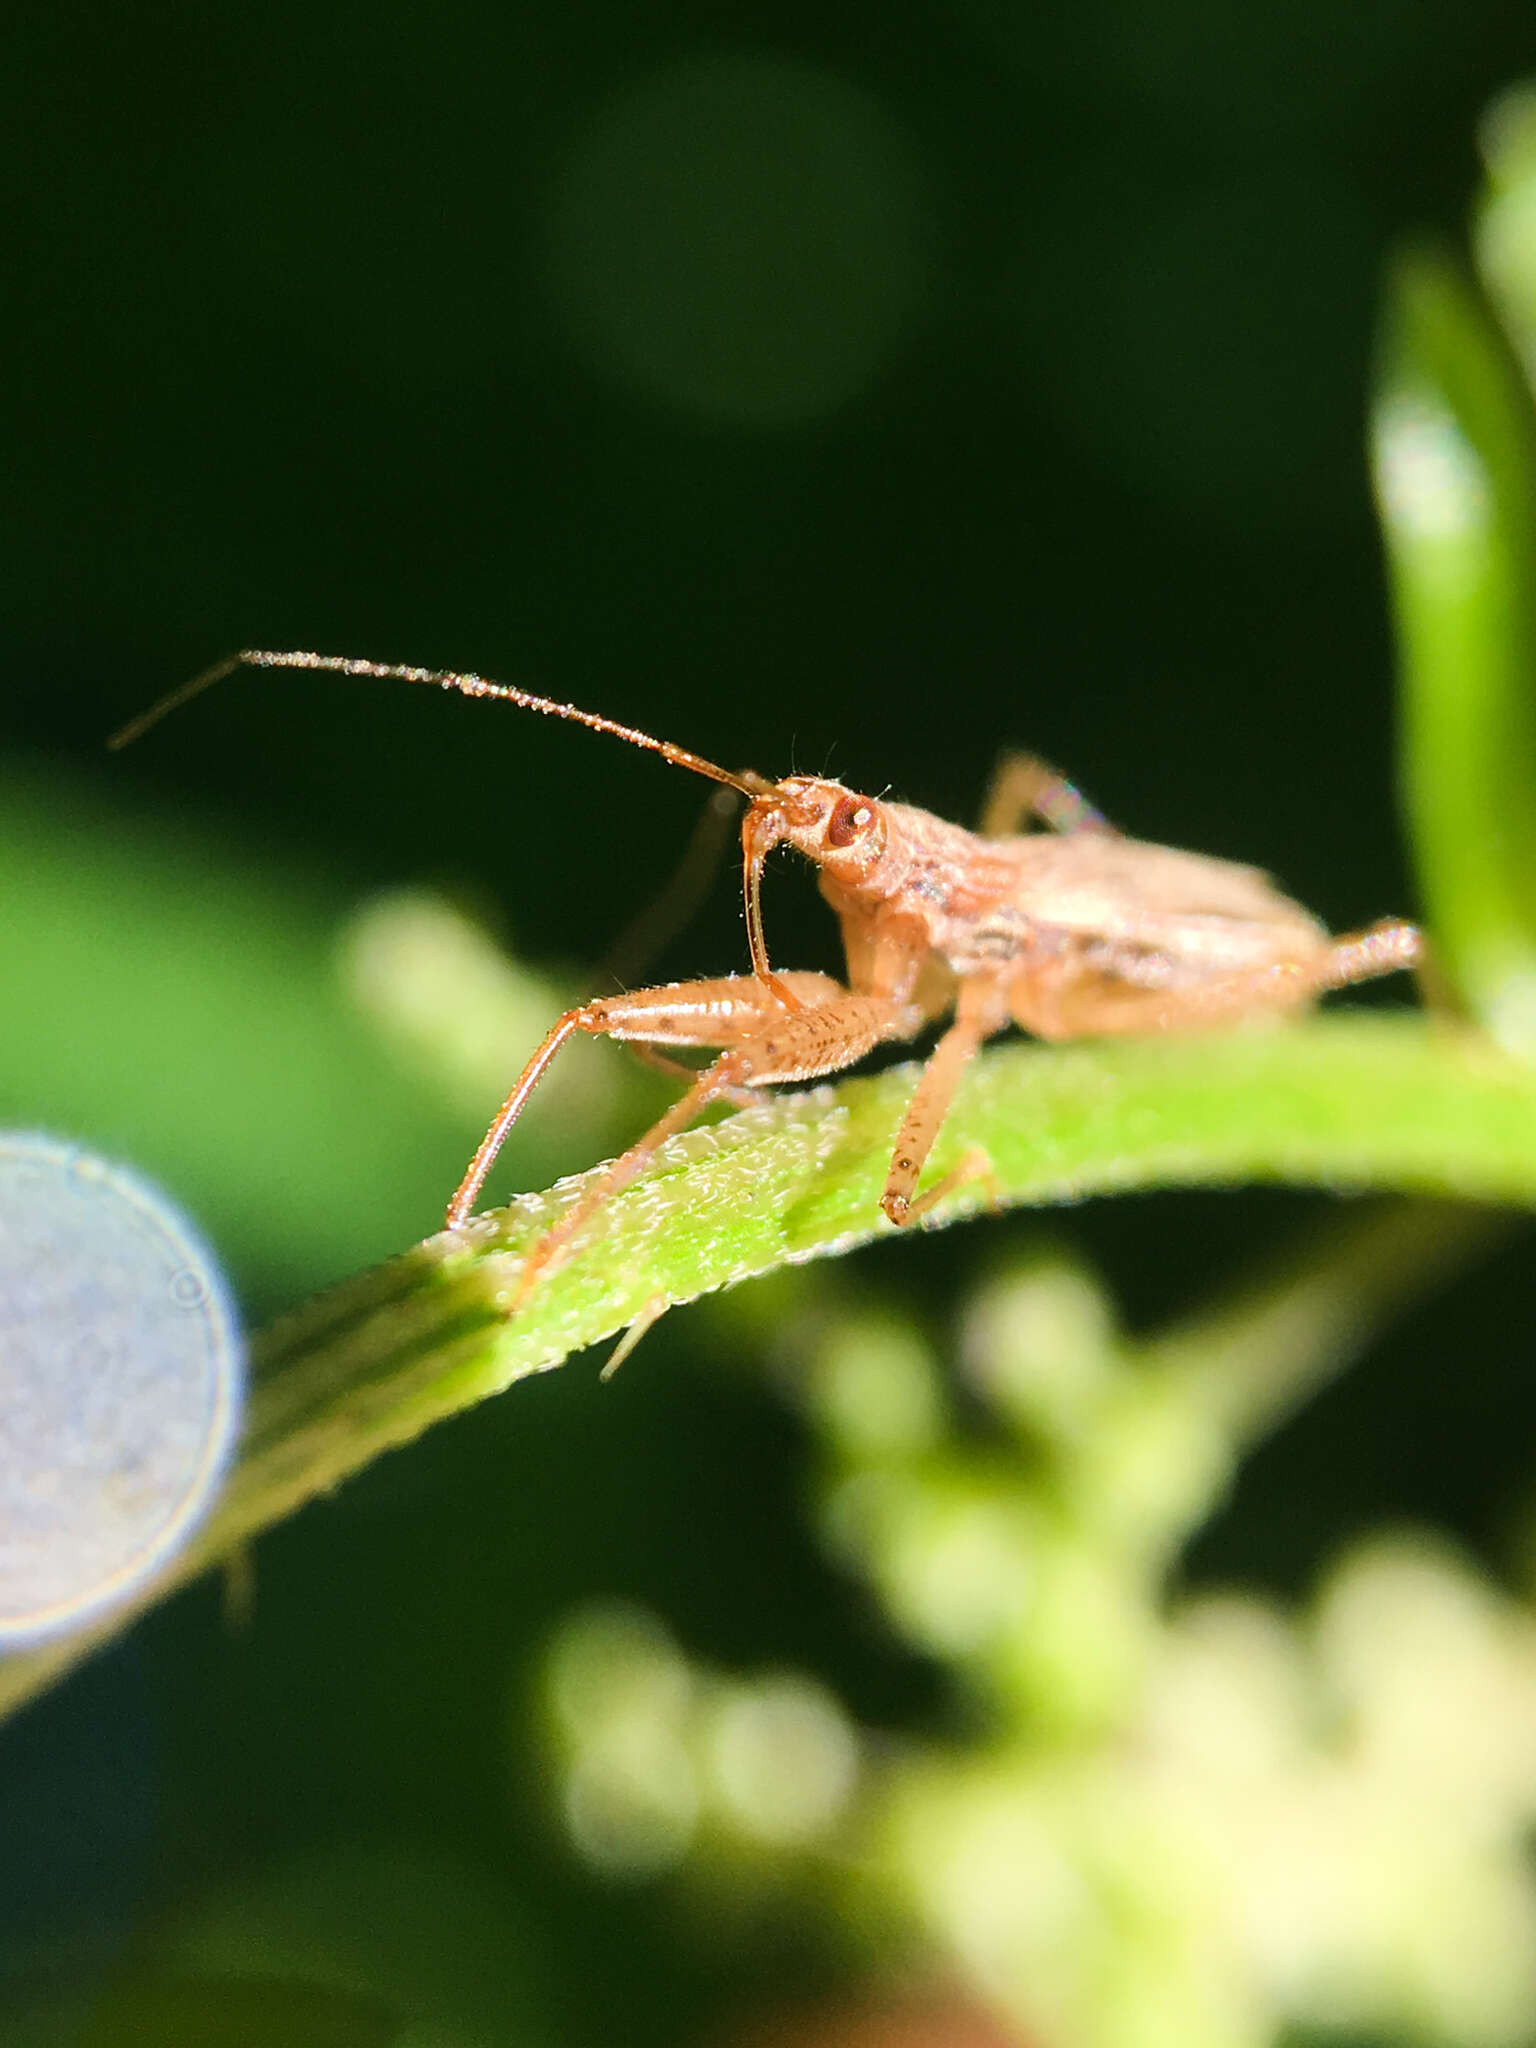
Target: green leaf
229	2013
1344	1102
1455	462
1504	229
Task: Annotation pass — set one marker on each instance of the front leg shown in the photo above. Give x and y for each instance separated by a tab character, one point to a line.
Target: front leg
764	1043
682	1013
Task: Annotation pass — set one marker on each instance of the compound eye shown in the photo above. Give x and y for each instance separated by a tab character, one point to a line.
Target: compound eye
850	820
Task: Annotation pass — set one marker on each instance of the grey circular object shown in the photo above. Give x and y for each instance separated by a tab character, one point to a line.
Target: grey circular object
121	1377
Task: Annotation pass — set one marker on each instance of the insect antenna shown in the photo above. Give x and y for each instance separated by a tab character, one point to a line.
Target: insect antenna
467	684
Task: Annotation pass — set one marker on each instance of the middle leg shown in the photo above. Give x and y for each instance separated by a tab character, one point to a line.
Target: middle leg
980	1010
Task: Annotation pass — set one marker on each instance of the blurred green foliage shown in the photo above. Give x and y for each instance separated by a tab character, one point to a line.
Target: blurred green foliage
1192	1820
910	385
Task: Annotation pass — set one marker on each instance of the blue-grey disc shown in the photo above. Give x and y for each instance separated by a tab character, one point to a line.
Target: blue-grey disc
121	1374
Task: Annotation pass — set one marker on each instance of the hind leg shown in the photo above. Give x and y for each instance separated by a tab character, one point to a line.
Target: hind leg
1024	788
1054	1002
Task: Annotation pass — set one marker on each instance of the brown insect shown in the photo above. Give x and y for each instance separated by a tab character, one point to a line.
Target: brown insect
1070	932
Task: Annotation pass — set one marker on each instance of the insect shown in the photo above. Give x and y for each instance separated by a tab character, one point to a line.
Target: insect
1070	931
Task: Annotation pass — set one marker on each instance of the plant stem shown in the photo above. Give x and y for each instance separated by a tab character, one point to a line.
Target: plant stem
1344	1102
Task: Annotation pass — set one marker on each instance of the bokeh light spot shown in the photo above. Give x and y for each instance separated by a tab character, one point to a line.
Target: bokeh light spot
744	236
622	1696
783	1759
1427	473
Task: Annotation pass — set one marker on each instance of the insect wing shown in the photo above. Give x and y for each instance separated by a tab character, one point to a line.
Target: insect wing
1197	914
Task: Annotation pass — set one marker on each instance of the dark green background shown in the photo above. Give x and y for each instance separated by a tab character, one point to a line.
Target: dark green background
290	354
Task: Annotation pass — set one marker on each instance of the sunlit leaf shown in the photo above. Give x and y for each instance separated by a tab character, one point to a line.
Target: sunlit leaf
1455	461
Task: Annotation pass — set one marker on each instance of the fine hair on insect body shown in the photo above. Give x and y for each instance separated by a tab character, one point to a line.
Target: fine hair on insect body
1068	930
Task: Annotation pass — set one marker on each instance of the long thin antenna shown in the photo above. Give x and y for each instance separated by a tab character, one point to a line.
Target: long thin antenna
448	679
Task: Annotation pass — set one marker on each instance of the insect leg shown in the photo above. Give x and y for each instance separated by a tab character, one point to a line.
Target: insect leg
644	936
830	1031
1022	788
1382	948
647	1319
1386	947
469	1187
651	1056
706	1013
1099	1006
980	1011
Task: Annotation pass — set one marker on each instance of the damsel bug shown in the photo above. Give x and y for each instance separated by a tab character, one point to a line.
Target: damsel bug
1073	931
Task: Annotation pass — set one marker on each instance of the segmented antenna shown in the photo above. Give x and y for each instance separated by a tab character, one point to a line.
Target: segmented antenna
466	684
